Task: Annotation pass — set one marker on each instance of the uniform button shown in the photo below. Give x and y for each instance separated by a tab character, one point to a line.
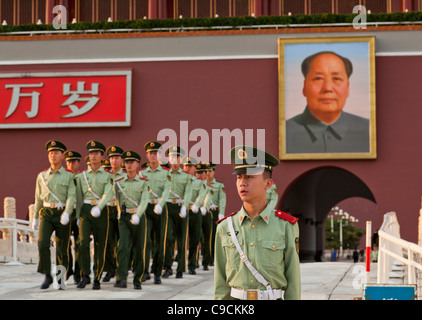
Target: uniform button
231	244
273	246
251	281
253	226
251	244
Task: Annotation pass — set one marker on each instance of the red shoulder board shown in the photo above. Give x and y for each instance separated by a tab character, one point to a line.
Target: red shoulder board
210	185
119	179
108	171
143	178
42	171
69	170
286	216
165	168
226	217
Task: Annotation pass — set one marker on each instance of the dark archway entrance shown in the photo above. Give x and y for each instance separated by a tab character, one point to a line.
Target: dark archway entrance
310	198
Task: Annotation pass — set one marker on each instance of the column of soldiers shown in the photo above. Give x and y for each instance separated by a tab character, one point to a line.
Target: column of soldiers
133	214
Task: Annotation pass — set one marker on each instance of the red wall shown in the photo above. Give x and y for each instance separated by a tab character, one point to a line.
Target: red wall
237	94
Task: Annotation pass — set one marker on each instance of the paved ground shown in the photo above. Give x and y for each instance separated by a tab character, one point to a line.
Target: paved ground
320	281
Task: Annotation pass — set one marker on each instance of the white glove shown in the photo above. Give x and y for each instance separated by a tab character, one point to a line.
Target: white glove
182	213
220	216
203	211
135	219
194	208
158	209
95	212
35	223
64	218
77	222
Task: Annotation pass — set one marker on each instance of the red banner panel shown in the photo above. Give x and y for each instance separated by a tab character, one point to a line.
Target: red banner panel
65	99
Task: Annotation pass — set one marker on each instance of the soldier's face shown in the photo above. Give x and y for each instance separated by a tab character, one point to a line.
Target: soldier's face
210	175
326	87
152	156
55	157
116	162
131	166
95	157
190	169
174	159
252	188
73	165
201	175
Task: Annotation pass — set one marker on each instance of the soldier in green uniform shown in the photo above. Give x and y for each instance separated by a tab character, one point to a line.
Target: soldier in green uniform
114	154
272	196
177	206
206	224
93	192
105	163
132	198
199	191
256	248
54	199
156	213
216	202
73	161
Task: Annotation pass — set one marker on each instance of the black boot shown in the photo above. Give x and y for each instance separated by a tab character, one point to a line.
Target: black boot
157	280
120	284
85	280
47	281
108	276
96	285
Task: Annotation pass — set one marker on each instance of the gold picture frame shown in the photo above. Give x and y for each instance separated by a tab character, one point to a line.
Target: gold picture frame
302	133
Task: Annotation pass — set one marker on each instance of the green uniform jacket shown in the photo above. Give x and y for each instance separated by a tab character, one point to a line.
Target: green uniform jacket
270	243
100	182
130	191
181	185
199	191
61	183
216	196
116	176
159	183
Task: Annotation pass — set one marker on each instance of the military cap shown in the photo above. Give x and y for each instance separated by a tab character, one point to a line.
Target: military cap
152	146
131	156
189	161
93	145
55	145
106	164
201	167
72	155
175	150
210	165
145	165
87	160
114	151
251	160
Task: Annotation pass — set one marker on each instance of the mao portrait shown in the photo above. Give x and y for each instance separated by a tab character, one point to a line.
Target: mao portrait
327	102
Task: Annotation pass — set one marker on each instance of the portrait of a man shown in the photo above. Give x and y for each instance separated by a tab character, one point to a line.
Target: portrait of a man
321	127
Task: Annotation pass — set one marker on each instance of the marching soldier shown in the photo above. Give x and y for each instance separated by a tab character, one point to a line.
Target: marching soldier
73	161
256	248
94	190
105	163
54	200
199	191
177	207
156	213
206	225
114	154
132	198
216	202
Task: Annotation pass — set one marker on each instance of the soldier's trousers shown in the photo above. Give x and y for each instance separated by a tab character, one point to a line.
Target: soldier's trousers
177	231
214	215
206	238
195	225
156	226
113	237
49	222
132	239
73	259
99	228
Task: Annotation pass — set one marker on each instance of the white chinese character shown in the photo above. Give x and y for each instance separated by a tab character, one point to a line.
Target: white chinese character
35	97
75	96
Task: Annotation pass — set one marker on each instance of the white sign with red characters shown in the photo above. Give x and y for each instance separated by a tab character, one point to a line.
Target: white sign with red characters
65	99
